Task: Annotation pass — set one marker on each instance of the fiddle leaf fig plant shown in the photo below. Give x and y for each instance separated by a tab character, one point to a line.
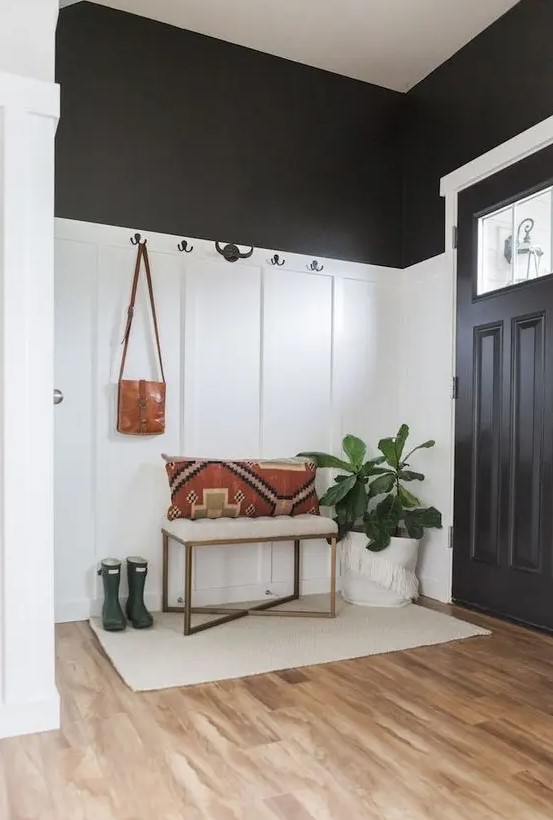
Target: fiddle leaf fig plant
400	513
350	494
361	480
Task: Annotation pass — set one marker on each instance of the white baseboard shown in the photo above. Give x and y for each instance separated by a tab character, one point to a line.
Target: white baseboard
437	589
220	595
81	610
256	592
72	610
28	718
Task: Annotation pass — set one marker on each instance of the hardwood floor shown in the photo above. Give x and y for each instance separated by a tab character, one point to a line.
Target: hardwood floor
463	730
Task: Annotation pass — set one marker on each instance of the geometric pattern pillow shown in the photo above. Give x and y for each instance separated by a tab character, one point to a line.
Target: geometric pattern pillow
202	488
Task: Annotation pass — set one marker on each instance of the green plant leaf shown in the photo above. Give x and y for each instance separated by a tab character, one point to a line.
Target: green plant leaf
344	518
422	518
407	499
379	540
370	467
431	517
337	492
401	438
424	446
378	536
414	530
381	523
409	475
326	460
351	508
339	478
389	511
355	449
387	447
382	484
358	500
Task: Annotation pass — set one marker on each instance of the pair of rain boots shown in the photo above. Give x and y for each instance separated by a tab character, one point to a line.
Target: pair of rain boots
113	618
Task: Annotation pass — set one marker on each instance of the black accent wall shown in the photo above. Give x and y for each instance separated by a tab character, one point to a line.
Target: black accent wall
495	87
185	134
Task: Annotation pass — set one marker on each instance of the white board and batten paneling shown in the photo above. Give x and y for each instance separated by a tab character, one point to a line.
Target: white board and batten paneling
426	394
260	361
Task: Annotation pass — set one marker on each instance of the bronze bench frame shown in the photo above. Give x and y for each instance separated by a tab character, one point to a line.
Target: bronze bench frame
267	607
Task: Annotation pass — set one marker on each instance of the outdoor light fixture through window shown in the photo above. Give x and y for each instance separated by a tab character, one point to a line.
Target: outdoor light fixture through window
515	243
524	247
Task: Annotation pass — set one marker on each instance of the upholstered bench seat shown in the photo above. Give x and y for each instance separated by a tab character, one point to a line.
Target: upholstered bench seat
249	529
212	531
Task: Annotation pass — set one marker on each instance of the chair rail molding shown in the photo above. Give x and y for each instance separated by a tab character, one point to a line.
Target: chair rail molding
29	112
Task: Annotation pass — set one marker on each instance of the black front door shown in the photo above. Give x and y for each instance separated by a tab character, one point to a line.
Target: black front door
503	532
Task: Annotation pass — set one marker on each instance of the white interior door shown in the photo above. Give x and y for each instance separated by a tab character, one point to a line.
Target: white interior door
74	496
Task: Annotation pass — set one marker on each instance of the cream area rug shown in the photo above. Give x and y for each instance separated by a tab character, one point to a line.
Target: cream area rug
161	657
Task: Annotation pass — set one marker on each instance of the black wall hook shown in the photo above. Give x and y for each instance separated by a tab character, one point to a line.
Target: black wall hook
183	246
232	253
276	260
136	240
314	266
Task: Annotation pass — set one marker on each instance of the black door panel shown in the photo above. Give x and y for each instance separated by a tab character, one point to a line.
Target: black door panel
503	553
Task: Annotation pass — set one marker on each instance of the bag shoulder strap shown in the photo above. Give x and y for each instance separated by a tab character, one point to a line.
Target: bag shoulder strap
142	254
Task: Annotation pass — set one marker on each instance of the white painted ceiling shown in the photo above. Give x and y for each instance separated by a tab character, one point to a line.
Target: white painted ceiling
393	43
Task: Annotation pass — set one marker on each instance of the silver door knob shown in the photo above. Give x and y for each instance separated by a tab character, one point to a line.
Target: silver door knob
58	396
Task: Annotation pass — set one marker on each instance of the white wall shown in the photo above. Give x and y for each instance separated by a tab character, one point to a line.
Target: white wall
425	370
260	362
27	37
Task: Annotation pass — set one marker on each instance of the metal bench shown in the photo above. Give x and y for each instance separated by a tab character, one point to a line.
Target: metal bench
227	531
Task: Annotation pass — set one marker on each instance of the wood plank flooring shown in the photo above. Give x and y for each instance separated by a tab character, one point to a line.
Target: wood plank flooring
463	730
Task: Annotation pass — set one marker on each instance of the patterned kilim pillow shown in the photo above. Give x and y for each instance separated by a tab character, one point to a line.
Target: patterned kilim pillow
230	489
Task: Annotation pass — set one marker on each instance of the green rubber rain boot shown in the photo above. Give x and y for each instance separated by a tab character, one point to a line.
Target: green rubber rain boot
113	619
138	615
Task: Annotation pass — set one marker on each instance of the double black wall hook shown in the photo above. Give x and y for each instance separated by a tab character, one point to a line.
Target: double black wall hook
136	240
232	252
276	260
183	247
314	266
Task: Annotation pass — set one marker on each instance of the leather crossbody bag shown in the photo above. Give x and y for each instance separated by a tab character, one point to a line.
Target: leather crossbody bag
141	403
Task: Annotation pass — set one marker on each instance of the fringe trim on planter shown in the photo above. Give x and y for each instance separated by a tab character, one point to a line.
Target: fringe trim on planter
376	568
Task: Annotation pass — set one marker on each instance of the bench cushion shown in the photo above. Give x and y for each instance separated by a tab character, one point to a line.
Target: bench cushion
201	488
236	529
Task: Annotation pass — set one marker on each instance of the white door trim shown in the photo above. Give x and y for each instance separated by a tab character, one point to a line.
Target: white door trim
523	145
29	111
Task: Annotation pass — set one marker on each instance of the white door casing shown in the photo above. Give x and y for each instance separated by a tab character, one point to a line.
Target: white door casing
29	112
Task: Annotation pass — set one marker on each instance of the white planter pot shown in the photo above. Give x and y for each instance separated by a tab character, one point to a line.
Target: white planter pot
384	578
